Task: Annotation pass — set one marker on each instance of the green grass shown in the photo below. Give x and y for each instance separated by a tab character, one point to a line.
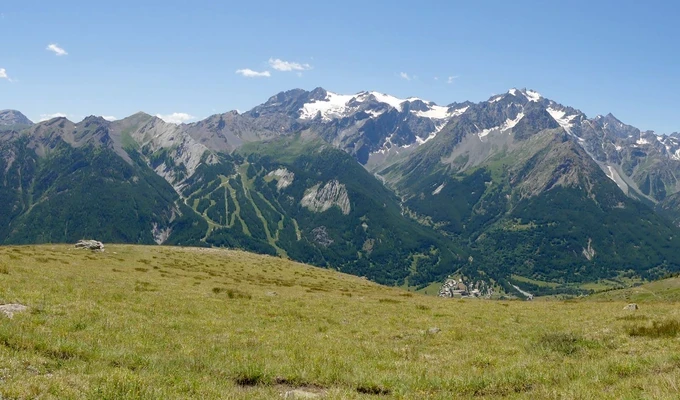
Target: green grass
179	323
657	329
535	282
662	290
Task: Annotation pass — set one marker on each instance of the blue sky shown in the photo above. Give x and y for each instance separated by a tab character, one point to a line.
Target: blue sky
166	57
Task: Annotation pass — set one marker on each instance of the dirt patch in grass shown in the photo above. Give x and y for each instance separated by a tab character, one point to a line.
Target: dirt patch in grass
374	390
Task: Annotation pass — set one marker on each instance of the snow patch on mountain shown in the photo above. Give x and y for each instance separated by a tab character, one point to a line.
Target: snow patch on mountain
438	189
440	116
334	105
561	117
533	95
435	112
506	126
375	113
485	132
391	100
510	123
427	139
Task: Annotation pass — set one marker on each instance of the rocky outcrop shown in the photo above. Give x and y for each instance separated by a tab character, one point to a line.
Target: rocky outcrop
300	394
321	237
90	245
284	178
320	199
160	235
589	253
10	309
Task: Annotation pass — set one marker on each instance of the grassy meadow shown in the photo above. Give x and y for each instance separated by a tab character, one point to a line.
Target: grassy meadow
140	322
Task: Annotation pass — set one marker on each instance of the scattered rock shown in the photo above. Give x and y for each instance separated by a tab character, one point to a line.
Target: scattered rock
10	309
433	331
300	394
271	294
93	245
631	307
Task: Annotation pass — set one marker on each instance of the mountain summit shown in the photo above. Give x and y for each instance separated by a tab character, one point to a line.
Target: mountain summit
13	117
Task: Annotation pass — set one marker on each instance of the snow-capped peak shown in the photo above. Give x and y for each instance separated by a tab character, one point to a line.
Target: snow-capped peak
387	99
333	106
532	95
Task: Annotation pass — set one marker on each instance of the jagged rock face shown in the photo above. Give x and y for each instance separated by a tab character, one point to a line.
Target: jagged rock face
321	198
284	178
160	235
170	150
13	117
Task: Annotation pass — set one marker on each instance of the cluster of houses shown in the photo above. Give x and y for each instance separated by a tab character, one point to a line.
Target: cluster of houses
458	289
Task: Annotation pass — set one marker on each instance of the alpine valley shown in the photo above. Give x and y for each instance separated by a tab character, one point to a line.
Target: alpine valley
515	192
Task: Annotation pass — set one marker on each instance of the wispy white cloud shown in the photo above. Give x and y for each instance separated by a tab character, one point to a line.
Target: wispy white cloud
3	74
287	66
249	73
56	49
109	117
451	79
47	117
405	76
176	118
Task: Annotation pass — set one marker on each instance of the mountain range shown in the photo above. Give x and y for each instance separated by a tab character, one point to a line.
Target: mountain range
518	190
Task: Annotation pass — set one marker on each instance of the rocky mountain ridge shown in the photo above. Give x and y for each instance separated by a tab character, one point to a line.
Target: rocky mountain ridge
13	117
400	190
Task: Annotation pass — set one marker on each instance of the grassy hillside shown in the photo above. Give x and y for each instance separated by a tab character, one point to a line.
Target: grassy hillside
662	290
175	323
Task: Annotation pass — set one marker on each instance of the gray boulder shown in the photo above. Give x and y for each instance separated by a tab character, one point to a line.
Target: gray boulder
300	394
93	245
10	309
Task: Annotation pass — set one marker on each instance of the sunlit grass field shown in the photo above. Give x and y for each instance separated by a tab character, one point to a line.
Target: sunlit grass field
141	322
